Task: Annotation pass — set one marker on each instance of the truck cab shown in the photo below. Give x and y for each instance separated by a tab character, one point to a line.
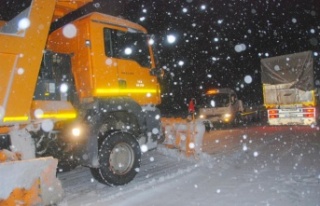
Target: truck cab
220	106
85	93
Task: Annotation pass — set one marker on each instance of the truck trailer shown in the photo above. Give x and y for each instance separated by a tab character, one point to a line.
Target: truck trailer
85	93
289	93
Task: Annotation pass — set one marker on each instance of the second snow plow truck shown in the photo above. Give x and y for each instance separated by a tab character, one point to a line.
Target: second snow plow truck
85	92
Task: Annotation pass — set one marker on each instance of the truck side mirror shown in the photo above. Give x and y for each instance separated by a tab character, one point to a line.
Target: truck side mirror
158	72
241	108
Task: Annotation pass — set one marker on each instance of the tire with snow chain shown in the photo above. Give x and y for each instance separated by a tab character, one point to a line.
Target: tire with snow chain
119	159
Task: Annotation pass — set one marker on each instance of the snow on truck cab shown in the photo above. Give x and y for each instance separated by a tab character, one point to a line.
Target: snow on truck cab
85	93
220	106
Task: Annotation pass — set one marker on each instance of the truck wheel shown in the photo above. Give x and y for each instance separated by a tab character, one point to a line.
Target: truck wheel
119	158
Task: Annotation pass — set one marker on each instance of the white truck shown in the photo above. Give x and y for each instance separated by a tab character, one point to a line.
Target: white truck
221	106
289	93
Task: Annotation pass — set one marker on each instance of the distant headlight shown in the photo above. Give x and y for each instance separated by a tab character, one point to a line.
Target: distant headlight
202	116
227	115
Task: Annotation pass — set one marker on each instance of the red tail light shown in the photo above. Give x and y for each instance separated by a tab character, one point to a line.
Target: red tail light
308	115
309	112
273	116
273	113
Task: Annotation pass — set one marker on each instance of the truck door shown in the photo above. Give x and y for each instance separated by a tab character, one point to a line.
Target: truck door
130	53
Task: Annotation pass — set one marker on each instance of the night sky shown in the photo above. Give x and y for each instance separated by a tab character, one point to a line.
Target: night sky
222	41
218	42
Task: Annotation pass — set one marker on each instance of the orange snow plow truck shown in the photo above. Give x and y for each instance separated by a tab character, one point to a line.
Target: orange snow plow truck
83	94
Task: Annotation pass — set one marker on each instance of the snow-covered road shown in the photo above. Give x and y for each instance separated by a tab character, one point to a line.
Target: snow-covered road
256	165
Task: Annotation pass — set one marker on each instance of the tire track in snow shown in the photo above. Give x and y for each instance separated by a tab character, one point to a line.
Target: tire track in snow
156	168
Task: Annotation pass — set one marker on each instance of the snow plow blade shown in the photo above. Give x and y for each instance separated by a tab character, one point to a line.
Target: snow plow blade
29	182
183	135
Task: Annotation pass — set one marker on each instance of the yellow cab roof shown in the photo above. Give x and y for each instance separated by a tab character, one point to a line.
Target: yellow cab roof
64	7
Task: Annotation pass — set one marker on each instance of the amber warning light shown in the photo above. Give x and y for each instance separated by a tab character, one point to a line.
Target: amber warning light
213	91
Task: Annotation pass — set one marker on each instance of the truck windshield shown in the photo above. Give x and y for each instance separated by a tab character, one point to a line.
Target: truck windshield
127	45
216	100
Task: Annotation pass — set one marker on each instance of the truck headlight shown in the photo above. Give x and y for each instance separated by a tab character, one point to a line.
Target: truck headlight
76	132
227	115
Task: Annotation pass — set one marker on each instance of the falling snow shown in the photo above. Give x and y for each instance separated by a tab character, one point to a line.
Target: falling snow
23	24
69	31
200	46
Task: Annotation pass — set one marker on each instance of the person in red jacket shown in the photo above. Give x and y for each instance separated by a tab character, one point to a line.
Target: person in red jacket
191	108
